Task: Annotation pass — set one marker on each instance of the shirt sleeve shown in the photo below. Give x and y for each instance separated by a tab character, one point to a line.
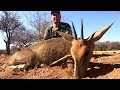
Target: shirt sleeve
68	30
46	34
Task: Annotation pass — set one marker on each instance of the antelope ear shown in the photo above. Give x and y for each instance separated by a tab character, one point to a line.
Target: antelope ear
65	36
98	34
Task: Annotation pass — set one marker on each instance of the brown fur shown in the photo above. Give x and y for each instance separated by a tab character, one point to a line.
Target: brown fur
46	52
81	51
54	50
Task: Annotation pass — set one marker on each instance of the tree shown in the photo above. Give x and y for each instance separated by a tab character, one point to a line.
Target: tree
39	23
9	22
22	37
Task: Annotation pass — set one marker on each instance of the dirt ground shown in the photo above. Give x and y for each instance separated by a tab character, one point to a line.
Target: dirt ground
103	65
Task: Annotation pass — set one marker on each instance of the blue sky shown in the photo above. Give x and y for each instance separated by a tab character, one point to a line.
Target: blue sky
92	21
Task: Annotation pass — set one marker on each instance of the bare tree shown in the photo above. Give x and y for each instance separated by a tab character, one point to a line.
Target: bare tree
22	37
9	22
39	23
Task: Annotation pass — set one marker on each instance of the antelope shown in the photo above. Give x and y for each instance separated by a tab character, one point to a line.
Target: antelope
55	50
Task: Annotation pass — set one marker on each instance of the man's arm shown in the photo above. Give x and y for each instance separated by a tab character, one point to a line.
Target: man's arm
46	34
68	29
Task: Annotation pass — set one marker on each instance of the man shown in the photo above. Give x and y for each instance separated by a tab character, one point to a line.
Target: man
57	26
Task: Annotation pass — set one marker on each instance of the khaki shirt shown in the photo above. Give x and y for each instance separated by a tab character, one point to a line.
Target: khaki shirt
51	31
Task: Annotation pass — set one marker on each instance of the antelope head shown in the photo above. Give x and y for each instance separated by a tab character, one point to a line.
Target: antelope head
82	49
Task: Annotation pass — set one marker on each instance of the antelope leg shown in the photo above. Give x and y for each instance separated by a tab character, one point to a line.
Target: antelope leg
61	59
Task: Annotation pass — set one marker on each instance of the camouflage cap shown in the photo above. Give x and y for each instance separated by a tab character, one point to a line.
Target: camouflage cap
55	11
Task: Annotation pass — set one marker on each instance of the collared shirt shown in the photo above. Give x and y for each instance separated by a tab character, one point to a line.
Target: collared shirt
51	31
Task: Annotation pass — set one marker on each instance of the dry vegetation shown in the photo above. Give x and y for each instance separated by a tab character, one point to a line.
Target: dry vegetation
103	65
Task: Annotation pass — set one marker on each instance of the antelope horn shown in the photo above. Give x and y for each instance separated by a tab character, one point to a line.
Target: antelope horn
82	37
74	31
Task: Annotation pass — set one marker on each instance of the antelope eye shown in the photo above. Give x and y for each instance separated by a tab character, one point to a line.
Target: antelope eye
80	45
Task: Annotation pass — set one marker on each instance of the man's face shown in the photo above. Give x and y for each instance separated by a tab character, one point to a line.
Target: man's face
55	17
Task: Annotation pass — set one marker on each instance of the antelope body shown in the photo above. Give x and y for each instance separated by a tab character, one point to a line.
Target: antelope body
53	50
43	52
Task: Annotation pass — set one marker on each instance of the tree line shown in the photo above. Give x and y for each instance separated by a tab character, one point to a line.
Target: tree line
107	45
